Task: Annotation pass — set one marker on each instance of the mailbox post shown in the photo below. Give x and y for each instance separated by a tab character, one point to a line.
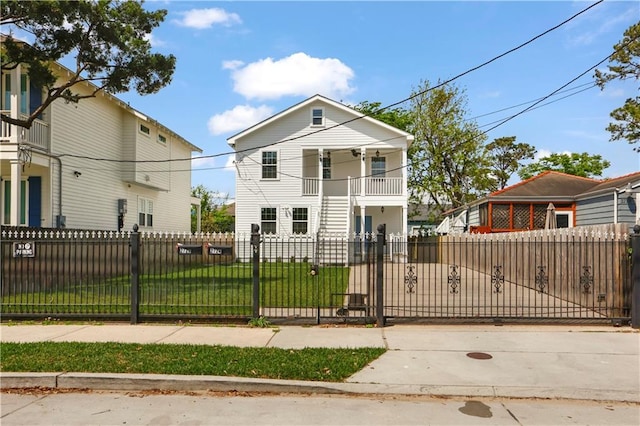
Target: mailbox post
635	277
134	244
255	244
380	243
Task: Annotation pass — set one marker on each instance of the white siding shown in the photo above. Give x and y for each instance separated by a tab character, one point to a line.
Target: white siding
101	128
253	192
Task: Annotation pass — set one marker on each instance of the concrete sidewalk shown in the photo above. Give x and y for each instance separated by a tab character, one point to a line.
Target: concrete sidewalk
572	362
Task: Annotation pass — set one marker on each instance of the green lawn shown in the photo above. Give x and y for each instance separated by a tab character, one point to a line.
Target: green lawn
188	290
318	364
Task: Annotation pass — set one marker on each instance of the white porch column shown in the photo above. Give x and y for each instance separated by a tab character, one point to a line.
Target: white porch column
320	177
405	224
16	177
404	173
363	173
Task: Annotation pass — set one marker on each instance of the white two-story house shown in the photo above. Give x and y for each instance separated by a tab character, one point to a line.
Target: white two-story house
321	169
95	164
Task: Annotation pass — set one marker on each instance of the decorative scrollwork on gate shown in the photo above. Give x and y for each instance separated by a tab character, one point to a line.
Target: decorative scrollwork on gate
586	279
542	279
497	279
454	279
410	280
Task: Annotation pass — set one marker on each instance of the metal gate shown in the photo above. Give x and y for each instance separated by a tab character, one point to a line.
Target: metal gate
541	276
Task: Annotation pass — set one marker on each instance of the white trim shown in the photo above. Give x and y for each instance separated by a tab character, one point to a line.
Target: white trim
262	178
233	139
322	117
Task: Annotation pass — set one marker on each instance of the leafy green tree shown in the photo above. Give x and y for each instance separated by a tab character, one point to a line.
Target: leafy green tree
505	156
109	40
624	64
215	216
397	117
584	165
448	162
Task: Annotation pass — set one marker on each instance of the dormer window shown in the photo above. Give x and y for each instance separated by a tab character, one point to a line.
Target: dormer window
317	116
144	129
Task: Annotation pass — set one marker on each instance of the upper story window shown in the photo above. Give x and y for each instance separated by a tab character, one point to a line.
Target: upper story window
326	168
378	167
269	165
317	116
162	138
30	96
144	129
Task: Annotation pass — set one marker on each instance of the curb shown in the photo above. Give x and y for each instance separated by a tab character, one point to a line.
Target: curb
182	383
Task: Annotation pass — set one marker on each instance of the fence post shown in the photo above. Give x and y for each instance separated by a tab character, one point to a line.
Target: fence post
134	243
635	277
380	243
255	243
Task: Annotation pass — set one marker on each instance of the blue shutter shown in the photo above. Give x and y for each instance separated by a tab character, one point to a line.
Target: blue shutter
35	98
35	201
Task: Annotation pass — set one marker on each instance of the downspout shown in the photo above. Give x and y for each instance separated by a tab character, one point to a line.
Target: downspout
615	205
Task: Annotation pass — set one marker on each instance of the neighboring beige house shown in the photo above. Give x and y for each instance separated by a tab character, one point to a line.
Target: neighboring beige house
51	175
321	169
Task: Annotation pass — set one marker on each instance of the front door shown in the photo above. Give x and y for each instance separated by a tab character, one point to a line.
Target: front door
362	236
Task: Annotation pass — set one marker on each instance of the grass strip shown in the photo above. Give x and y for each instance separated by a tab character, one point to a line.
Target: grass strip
317	364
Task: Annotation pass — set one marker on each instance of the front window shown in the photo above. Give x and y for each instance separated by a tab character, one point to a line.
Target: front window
378	167
300	220
317	117
326	168
145	212
269	165
7	202
268	220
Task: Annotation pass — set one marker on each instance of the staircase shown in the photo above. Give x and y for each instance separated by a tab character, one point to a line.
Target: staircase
332	246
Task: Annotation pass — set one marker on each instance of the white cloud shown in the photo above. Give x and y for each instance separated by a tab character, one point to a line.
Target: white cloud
230	165
599	26
295	75
239	118
542	153
206	18
154	41
231	65
493	94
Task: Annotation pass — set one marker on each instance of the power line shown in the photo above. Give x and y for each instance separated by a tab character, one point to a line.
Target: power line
353	119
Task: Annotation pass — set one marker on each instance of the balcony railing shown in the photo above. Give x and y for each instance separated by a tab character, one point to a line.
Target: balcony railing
373	186
37	135
310	186
383	186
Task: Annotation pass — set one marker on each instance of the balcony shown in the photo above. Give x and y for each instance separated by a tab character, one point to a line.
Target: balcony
373	186
37	136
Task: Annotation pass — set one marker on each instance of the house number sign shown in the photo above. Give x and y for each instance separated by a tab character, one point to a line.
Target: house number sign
26	249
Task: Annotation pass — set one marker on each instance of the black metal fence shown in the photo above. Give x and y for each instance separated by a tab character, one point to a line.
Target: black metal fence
208	277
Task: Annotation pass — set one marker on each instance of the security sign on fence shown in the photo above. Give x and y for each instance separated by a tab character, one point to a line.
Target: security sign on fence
27	249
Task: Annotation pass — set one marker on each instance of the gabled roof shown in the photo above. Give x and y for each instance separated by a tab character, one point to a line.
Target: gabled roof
231	140
619	183
547	184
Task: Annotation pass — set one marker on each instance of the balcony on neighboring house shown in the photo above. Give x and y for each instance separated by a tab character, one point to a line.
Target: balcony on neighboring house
35	137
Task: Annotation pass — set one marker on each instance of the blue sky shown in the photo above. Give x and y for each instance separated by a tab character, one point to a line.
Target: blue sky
241	62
